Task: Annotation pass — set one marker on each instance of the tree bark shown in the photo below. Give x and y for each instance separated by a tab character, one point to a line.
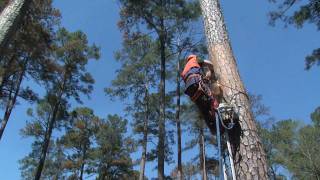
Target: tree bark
180	173
9	19
145	136
202	154
46	142
84	154
162	118
49	130
249	159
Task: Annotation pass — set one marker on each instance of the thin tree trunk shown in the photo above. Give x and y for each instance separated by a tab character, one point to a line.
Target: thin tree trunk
12	101
10	18
4	77
249	159
49	130
162	131
83	163
145	136
180	173
46	142
10	105
202	154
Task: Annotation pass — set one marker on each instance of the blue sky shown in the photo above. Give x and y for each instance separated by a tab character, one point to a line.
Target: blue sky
270	60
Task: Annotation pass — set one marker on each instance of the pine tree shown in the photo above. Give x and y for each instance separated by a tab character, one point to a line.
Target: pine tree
138	59
201	138
72	54
27	56
186	42
78	141
162	19
36	128
249	159
111	156
294	146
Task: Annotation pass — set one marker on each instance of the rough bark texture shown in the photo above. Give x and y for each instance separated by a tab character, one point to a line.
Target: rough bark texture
9	19
145	136
180	173
250	161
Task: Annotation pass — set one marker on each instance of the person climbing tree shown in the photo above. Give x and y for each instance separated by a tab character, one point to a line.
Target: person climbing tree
197	75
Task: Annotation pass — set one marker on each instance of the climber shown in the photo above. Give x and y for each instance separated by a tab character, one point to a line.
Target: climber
197	77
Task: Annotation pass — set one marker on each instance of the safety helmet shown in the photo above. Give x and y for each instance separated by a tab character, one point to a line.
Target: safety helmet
191	57
207	62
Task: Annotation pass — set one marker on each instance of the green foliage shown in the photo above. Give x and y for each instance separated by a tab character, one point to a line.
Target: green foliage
78	141
139	61
68	79
36	128
71	55
158	14
111	158
163	21
27	53
88	145
294	146
288	12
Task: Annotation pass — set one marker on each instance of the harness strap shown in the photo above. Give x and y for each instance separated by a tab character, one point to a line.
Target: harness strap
198	93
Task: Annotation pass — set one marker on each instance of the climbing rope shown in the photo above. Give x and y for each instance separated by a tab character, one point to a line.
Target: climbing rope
224	112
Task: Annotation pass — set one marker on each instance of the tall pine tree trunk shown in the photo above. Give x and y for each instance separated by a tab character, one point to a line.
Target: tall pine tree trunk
180	173
162	118
48	133
9	19
83	159
249	159
202	154
12	100
46	142
145	136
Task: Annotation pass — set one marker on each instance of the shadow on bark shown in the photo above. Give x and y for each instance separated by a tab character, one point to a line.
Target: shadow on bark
235	133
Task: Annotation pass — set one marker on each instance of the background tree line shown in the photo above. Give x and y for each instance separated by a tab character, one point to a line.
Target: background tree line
73	143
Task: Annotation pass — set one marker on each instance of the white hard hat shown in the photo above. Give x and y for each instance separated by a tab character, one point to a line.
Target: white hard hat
207	62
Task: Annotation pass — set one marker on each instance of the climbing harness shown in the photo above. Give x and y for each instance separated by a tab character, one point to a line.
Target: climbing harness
225	117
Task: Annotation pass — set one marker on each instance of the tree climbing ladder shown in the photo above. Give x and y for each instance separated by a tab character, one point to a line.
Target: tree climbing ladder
225	116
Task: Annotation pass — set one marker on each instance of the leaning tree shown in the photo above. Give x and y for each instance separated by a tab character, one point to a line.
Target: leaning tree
9	19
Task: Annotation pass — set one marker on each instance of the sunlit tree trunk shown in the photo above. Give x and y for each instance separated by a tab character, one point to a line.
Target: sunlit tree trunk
9	19
145	136
249	159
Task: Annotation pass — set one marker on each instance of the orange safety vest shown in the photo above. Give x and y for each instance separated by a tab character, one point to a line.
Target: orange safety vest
191	63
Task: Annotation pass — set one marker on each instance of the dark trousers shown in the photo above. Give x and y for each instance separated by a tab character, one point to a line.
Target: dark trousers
204	103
